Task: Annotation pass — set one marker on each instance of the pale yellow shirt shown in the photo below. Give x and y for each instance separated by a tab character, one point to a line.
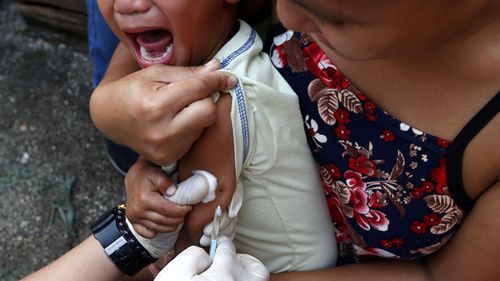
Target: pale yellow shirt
284	220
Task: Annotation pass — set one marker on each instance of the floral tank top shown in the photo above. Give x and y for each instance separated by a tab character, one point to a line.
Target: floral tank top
384	181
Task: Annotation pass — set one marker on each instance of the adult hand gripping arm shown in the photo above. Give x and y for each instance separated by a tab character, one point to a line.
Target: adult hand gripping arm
158	111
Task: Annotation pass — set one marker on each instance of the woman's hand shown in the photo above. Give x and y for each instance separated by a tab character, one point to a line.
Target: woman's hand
158	111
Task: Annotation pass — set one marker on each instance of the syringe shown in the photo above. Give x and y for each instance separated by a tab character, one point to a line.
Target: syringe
215	230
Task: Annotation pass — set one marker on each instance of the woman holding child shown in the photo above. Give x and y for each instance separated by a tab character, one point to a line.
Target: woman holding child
400	99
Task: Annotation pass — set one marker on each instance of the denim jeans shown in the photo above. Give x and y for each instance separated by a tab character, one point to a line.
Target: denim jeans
102	43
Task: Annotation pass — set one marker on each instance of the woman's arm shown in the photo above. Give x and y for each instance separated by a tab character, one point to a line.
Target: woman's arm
472	254
87	261
159	111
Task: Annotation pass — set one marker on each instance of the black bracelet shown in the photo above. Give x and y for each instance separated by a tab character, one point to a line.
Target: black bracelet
129	237
118	242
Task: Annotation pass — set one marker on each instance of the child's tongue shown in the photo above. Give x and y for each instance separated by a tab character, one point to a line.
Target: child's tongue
155	42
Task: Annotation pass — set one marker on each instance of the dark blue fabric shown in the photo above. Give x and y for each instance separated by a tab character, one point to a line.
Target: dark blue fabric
102	42
384	181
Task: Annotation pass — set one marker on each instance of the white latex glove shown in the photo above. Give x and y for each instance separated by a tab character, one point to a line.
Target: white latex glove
194	264
228	219
227	228
200	187
197	188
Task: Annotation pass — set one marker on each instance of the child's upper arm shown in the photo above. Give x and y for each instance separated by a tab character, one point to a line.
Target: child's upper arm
212	152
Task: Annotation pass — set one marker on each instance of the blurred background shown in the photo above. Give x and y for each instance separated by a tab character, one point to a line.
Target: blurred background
55	178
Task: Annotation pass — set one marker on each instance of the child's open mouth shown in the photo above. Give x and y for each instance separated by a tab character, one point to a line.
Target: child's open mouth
152	47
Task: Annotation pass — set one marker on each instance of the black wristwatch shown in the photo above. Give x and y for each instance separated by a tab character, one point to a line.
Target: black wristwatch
118	242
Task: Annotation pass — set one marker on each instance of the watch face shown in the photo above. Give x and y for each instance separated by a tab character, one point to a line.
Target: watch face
115	246
118	242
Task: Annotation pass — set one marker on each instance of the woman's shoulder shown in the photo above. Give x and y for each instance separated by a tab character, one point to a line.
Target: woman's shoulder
481	153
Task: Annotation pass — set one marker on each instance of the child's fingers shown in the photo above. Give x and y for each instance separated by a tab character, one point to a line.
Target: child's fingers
166	208
158	228
144	231
159	180
157	266
161	220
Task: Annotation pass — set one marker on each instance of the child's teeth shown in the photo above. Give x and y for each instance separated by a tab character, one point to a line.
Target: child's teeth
155	56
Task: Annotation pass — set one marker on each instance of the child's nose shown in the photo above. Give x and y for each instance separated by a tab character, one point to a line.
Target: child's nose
130	7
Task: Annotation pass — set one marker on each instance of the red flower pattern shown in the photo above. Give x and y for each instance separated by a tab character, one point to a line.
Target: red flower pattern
386	243
370	106
442	142
333	170
361	97
438	175
336	214
387	135
418	227
354	180
416	193
361	203
342	132
377	200
319	65
371	117
358	207
363	165
398	241
432	219
427	187
342	116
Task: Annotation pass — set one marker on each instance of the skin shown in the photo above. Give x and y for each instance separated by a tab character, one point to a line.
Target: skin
196	39
196	36
88	261
136	108
184	90
453	47
168	107
72	266
150	212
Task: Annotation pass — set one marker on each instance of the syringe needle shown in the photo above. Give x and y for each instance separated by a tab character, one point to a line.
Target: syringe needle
215	230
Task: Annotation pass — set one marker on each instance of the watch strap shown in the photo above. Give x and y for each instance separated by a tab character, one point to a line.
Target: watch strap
112	233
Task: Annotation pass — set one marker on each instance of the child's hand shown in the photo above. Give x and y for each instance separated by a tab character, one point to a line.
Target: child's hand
147	209
200	187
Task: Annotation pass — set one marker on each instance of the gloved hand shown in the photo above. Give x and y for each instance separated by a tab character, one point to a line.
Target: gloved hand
227	228
228	219
194	264
199	187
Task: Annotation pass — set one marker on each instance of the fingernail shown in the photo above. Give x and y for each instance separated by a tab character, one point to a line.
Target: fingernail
231	82
171	190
